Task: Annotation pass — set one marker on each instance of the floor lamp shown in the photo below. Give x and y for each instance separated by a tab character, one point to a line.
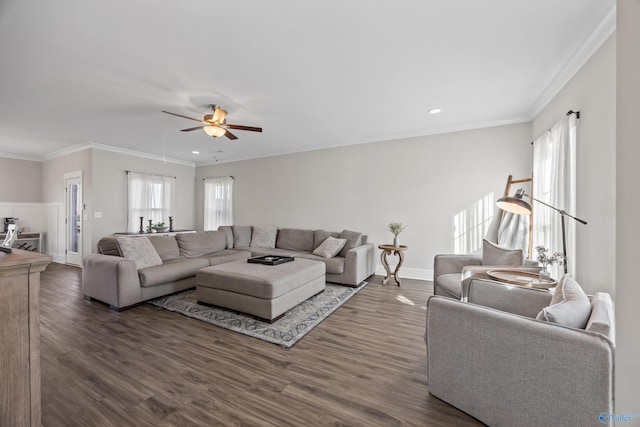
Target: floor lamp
519	206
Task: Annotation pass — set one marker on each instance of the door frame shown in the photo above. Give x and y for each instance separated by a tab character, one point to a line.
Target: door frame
73	258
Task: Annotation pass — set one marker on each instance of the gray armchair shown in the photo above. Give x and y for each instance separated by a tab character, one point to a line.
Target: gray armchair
448	272
506	368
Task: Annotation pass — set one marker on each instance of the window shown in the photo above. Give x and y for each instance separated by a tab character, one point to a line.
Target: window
218	202
151	197
554	182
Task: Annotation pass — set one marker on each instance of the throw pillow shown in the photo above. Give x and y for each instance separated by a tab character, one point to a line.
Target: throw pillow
264	236
319	236
241	235
353	239
330	247
569	305
493	254
140	250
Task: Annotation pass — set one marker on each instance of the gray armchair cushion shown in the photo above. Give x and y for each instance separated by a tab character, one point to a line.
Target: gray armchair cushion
193	245
569	306
264	236
602	318
241	235
139	250
493	254
295	239
166	246
353	239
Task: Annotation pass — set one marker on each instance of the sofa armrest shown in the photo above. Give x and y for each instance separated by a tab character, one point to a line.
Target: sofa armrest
111	279
453	263
510	370
359	264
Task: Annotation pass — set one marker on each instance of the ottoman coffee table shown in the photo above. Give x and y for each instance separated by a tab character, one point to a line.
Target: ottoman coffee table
264	291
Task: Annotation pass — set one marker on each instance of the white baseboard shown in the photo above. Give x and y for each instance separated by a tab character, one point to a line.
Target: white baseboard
407	272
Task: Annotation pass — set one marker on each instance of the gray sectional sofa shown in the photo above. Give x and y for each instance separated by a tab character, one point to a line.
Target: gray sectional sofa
122	276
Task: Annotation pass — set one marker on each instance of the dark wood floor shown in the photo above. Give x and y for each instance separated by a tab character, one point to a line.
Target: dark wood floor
363	366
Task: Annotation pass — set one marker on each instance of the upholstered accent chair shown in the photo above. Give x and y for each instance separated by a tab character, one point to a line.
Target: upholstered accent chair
507	368
448	269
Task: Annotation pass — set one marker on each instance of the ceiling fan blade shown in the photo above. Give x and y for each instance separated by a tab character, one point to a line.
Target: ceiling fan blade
230	135
240	127
190	129
184	117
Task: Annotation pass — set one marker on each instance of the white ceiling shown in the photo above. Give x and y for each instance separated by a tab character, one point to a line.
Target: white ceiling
312	73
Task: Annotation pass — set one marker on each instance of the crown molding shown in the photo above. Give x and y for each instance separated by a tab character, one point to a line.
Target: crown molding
20	157
602	32
110	148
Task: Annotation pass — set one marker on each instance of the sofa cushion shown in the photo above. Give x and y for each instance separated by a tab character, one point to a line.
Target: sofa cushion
602	318
330	247
241	235
295	239
194	245
320	236
171	271
333	265
264	236
228	230
354	239
166	246
493	254
108	246
569	305
140	250
227	255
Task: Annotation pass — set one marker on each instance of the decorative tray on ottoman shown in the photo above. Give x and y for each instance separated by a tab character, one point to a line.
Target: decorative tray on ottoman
270	259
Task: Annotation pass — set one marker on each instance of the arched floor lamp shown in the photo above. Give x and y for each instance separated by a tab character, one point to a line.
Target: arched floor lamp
518	206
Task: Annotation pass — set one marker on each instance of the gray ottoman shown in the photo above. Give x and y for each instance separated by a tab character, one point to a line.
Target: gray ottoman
264	291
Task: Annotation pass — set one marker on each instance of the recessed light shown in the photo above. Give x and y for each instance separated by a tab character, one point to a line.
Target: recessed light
195	152
435	110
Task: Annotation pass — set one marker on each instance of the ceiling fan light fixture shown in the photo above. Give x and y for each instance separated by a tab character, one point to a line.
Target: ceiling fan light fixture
219	114
214	131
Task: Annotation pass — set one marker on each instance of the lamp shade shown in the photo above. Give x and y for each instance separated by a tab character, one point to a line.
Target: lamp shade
214	131
514	204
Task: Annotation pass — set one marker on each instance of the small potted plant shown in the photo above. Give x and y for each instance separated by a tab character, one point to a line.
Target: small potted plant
396	228
160	227
545	258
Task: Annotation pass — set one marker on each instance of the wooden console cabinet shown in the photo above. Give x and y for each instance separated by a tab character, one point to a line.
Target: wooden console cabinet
20	337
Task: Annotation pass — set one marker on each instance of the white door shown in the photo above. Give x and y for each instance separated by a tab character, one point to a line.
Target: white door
73	221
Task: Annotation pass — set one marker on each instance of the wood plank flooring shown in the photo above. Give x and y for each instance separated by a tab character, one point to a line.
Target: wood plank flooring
363	366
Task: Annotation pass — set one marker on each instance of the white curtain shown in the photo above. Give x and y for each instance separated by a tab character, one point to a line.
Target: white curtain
151	197
514	231
218	202
554	182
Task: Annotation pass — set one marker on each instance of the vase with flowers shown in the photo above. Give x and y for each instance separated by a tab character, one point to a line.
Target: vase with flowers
396	228
546	258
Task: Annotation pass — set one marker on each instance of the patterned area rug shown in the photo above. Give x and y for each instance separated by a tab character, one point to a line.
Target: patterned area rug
285	332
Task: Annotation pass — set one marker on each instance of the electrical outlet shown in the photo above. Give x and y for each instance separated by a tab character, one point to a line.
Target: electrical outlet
97	215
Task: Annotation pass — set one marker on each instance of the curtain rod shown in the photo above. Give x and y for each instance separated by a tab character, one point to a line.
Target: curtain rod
144	173
230	176
570	112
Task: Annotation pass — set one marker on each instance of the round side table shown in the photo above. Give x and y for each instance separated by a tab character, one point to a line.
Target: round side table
386	251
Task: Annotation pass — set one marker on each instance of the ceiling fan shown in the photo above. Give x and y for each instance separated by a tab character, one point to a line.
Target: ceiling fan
215	124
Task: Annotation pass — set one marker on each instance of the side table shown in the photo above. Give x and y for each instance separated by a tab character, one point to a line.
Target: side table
395	250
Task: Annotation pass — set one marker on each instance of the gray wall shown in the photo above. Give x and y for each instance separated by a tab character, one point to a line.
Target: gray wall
627	232
423	181
110	191
592	91
22	181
